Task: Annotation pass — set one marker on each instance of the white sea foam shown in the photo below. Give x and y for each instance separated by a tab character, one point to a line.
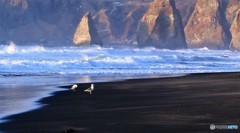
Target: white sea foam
94	60
203	49
37	48
11	48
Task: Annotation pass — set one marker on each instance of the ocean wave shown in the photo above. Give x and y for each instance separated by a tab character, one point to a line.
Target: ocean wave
12	48
86	60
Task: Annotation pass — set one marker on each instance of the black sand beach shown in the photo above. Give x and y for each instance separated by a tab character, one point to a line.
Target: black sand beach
181	104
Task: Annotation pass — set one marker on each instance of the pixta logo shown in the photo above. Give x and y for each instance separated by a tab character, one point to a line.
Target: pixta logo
223	127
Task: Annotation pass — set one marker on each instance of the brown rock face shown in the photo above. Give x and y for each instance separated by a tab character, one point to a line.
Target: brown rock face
185	8
124	18
235	30
231	10
86	32
206	26
161	26
103	26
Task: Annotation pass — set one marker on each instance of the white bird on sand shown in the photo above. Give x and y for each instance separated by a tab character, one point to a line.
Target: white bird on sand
90	89
74	87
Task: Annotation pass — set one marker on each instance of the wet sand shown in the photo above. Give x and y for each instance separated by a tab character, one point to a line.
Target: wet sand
181	104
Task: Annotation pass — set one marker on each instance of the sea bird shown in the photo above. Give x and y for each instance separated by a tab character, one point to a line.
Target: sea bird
90	89
74	87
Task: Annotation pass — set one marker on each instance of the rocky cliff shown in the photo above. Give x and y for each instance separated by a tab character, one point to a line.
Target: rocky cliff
231	10
207	22
54	21
86	32
186	9
207	26
162	26
104	26
235	30
27	21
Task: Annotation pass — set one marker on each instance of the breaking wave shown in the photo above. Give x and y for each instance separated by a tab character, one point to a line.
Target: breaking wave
12	48
94	60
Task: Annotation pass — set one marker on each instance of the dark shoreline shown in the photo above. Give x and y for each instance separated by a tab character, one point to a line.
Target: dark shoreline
176	104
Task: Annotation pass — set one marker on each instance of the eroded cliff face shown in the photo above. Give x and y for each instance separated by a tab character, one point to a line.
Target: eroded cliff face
13	11
235	30
231	10
86	33
206	26
161	26
123	22
186	8
27	21
124	18
54	21
104	26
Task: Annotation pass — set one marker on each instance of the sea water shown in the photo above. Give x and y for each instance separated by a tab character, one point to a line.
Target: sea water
28	73
94	60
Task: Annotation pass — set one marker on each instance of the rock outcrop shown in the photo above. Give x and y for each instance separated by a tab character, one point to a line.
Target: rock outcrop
235	30
231	10
185	8
104	26
86	32
123	22
207	27
124	18
161	26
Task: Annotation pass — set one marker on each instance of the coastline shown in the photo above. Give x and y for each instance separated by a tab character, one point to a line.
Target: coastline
22	93
174	104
